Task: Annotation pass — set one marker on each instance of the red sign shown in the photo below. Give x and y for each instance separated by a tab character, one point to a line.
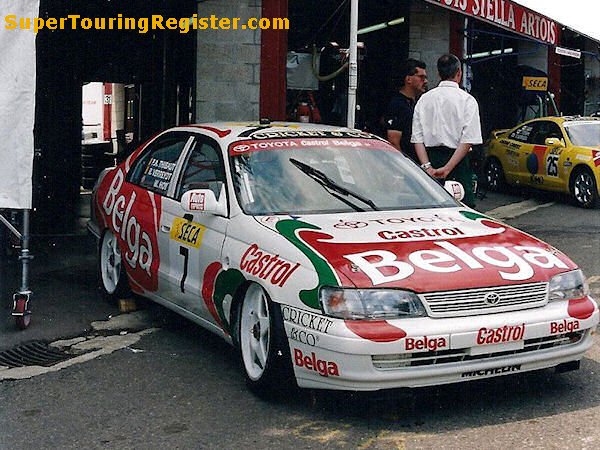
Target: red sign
508	15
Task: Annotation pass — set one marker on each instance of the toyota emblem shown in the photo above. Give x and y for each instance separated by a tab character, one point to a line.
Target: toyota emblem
492	298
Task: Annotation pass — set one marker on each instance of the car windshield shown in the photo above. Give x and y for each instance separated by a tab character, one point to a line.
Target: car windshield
584	134
326	176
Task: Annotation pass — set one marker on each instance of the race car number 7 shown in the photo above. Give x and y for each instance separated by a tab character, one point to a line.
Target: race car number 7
552	165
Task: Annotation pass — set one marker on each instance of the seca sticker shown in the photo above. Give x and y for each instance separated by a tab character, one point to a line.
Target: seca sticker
187	232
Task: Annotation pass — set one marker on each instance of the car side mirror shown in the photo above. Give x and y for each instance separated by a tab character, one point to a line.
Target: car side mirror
553	142
205	201
455	188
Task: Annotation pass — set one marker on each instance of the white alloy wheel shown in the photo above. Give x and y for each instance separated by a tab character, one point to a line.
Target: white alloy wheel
110	263
583	188
255	332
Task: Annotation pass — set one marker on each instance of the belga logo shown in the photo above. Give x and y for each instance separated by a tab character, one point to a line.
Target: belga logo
322	367
119	210
382	266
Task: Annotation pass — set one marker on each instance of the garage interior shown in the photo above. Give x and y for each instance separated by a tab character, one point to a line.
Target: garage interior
158	66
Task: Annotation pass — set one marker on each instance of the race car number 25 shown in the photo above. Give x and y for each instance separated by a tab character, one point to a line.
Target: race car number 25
552	165
187	232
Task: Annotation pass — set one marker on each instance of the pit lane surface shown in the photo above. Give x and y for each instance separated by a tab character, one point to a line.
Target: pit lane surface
180	387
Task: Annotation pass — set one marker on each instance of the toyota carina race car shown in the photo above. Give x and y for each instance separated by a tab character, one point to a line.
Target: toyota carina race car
559	154
329	259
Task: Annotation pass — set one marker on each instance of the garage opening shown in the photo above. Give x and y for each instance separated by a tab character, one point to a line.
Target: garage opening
383	46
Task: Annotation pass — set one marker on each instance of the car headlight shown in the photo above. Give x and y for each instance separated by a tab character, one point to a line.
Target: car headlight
375	304
568	285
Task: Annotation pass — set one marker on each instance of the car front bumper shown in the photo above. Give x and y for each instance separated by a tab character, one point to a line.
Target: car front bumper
330	353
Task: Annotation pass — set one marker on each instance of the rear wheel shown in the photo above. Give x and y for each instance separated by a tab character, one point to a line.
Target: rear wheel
583	187
112	279
494	175
262	343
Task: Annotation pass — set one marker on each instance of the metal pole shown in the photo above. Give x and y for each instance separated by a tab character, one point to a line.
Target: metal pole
353	65
25	256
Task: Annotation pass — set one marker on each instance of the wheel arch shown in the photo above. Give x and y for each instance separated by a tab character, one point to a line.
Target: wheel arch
235	309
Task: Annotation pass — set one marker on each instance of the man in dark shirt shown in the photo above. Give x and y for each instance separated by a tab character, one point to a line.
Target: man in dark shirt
399	115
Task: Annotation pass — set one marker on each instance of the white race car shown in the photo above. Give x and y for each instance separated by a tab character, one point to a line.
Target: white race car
331	260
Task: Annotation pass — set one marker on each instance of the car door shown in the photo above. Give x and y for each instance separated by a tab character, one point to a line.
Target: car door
152	177
195	239
544	160
555	158
516	150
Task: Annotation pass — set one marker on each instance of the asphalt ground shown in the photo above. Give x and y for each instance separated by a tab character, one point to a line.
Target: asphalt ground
65	298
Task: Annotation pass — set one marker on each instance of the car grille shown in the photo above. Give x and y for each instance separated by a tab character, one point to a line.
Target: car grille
440	357
485	300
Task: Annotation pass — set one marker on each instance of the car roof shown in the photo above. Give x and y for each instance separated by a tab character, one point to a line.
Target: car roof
228	132
564	119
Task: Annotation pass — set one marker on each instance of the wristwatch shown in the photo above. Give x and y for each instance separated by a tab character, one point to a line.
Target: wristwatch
426	166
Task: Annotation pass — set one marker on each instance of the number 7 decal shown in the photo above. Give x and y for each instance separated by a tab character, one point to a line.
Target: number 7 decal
185	252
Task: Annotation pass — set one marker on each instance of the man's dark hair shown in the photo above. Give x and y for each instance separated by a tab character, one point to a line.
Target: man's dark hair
448	65
409	67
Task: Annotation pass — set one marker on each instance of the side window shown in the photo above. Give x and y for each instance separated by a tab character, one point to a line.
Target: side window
155	168
554	131
521	134
203	168
545	130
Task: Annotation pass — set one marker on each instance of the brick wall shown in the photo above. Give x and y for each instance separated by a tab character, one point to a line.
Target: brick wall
228	74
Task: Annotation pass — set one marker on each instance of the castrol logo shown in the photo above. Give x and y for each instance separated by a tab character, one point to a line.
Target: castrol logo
506	333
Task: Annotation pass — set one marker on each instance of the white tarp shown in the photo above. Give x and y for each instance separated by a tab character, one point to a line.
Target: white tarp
17	106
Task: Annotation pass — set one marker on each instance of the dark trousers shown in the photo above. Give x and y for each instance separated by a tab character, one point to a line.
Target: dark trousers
439	156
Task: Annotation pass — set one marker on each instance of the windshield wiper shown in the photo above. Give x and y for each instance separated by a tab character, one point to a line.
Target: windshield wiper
328	183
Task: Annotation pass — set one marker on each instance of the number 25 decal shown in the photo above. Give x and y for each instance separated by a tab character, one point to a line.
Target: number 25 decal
552	165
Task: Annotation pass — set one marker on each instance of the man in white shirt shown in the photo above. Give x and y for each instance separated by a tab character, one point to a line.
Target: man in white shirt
445	126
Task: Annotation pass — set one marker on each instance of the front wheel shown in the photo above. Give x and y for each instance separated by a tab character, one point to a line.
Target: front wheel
584	189
262	344
112	279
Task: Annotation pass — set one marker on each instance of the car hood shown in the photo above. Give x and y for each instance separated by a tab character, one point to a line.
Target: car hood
420	250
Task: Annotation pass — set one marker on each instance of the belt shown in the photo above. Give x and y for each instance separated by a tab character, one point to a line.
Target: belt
441	148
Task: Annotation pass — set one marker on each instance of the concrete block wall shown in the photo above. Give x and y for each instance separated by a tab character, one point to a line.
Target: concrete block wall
592	78
228	64
428	36
533	54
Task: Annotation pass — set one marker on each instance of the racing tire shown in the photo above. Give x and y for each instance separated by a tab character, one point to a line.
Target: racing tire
583	188
112	278
494	175
262	344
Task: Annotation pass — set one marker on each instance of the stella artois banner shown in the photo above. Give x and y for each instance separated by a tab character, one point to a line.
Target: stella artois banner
17	107
508	15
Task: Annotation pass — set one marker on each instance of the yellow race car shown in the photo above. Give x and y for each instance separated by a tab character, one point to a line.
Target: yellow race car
560	154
